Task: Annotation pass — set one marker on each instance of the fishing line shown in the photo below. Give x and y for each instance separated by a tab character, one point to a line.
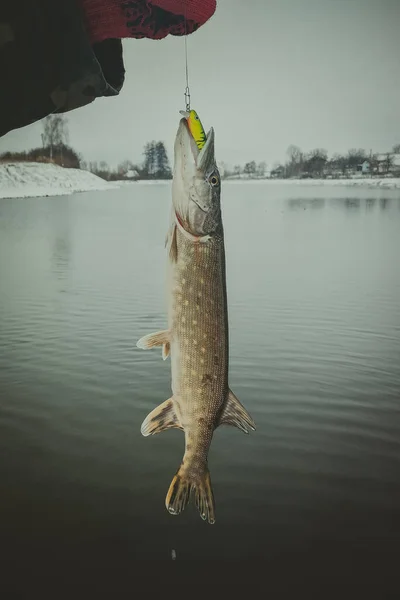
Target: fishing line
187	89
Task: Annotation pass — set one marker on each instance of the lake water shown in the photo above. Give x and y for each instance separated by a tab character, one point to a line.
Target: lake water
313	281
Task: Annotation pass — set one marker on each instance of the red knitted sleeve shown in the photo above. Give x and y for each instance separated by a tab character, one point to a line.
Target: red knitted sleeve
153	19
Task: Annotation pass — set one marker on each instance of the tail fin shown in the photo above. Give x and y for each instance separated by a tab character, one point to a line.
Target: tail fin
180	490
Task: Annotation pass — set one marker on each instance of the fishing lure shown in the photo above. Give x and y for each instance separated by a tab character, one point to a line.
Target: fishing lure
195	127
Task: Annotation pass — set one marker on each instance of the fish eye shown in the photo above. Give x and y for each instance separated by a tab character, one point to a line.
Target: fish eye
214	180
196	117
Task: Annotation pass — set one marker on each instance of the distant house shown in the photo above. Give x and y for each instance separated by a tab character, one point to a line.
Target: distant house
331	172
278	172
364	167
388	162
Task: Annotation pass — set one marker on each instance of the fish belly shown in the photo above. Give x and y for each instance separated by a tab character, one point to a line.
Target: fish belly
198	328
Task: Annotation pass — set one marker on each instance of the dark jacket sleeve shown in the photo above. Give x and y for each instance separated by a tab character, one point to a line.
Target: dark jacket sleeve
47	63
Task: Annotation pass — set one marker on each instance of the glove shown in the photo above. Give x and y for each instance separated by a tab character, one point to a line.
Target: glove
154	19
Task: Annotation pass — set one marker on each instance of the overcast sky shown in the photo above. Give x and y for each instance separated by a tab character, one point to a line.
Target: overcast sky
264	74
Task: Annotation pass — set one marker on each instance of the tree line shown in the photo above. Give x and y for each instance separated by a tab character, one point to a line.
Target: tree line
317	163
155	165
55	149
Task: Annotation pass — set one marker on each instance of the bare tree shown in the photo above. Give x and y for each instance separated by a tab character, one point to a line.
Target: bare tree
294	153
125	166
278	170
355	156
374	163
396	149
296	159
250	168
261	169
339	162
316	161
55	132
388	162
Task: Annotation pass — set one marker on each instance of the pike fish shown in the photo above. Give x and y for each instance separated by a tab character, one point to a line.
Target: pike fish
197	336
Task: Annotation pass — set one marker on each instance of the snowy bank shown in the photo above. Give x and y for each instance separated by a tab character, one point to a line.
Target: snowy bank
146	182
386	183
27	180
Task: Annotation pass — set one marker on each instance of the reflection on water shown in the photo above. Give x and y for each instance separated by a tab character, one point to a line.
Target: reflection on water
303	203
341	202
314	308
352	203
60	225
61	255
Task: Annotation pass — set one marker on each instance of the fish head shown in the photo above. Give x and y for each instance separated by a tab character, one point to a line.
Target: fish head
196	185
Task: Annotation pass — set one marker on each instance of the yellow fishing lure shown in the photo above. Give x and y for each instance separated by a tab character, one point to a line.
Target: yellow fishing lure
195	127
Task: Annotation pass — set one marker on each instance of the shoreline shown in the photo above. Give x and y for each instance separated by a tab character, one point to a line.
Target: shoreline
35	180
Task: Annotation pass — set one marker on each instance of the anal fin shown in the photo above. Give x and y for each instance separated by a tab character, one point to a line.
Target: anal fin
161	418
234	413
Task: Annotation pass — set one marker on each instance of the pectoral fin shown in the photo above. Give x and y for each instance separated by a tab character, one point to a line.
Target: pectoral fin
234	413
161	418
165	350
173	249
160	338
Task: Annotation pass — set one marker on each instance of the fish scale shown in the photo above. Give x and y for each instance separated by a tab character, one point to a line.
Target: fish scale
199	336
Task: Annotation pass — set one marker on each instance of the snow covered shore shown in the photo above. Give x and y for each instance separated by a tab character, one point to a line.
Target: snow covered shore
29	179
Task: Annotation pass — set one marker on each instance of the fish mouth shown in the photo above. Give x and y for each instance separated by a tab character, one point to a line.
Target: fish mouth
185	113
203	159
193	146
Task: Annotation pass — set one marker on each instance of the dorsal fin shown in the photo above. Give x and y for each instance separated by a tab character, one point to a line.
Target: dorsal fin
234	413
161	418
